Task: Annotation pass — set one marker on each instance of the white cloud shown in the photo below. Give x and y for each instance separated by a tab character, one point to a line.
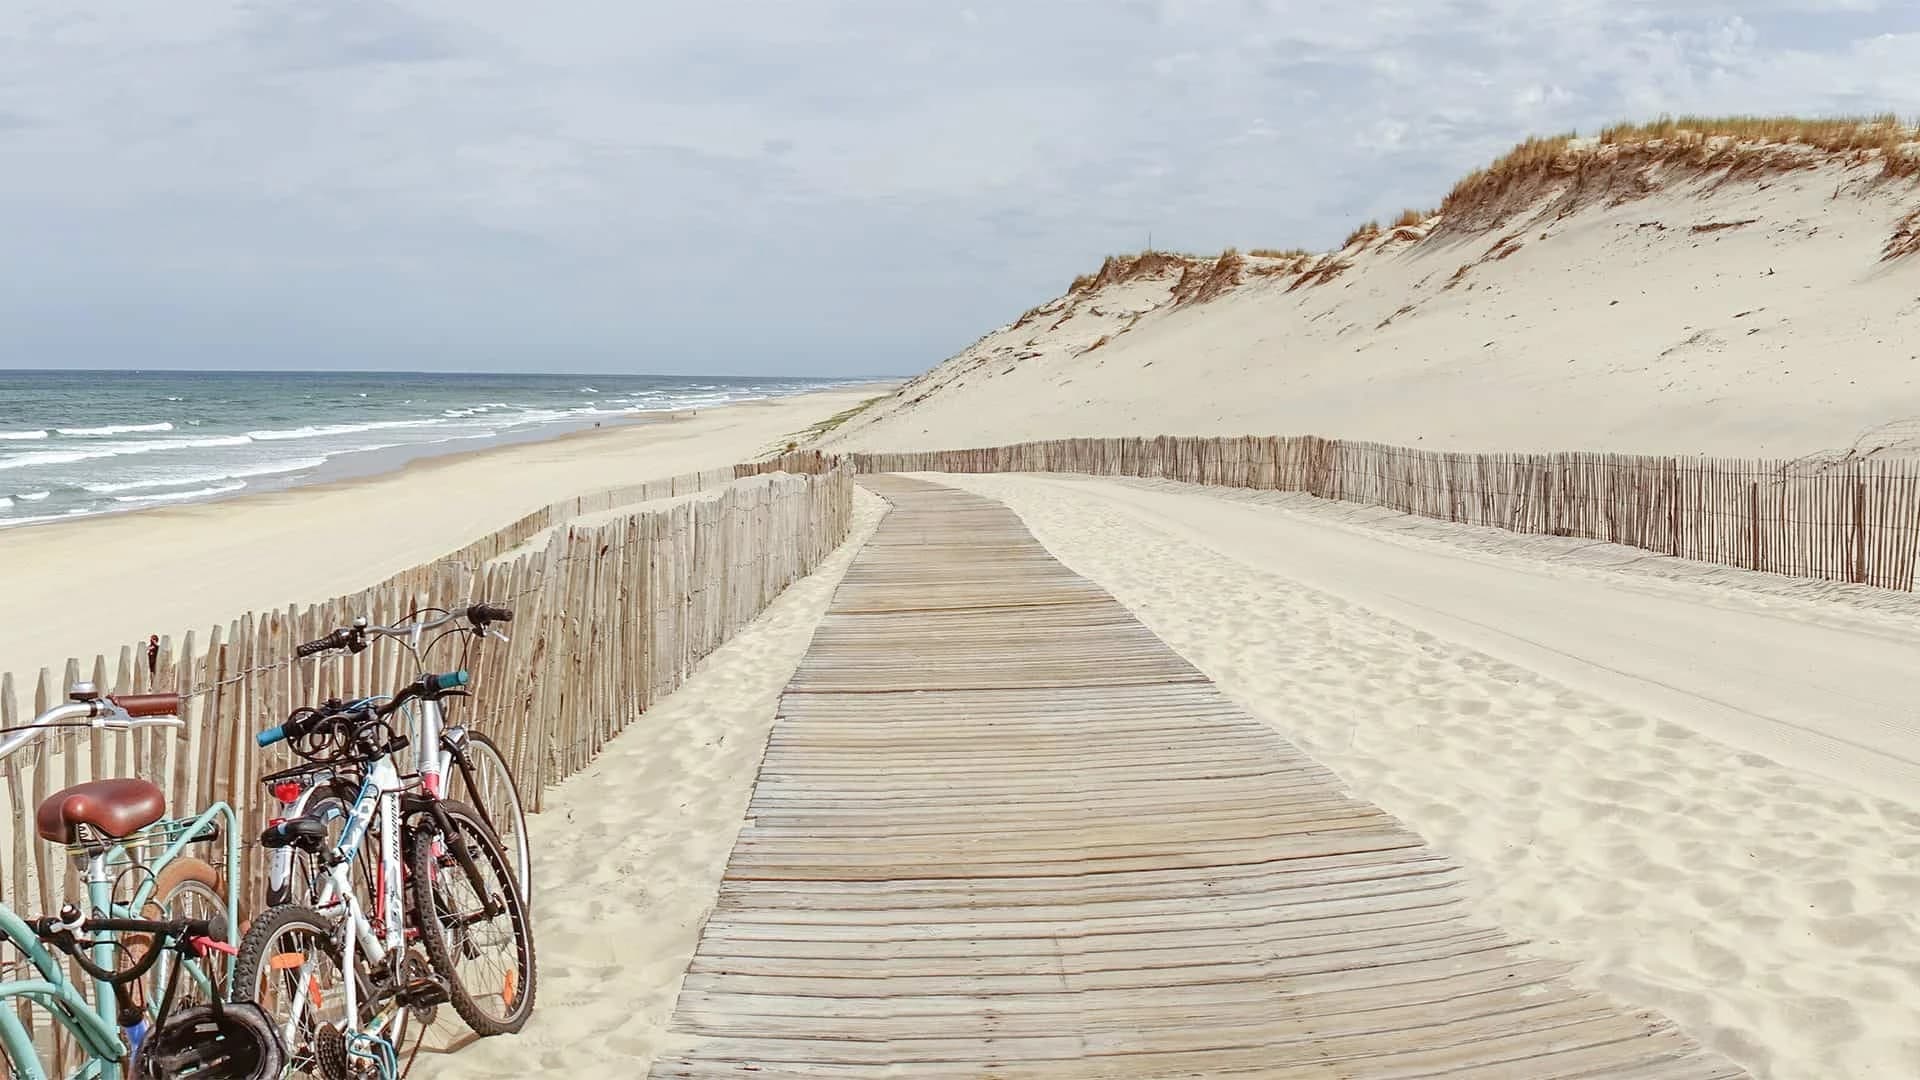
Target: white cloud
648	183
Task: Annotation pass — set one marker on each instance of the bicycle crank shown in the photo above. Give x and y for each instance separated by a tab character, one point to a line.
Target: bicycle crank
423	990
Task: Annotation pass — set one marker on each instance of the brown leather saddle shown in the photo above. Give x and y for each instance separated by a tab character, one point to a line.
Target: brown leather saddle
98	812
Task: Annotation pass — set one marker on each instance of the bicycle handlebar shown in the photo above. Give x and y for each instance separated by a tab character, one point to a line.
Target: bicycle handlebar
355	637
61	933
306	720
112	712
340	639
273	735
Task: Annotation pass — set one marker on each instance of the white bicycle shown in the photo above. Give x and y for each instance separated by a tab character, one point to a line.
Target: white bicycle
382	939
467	765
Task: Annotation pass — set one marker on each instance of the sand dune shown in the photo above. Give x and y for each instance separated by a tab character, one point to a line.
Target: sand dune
1738	315
1771	910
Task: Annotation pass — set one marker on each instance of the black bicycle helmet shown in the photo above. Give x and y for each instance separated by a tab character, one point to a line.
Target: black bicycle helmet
204	1042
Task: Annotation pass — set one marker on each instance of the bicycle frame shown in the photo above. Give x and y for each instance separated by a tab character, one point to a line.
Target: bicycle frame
434	763
379	795
97	1034
95	1025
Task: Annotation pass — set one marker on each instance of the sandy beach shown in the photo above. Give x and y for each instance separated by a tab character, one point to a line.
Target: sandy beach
1042	541
90	586
1696	788
1718	846
1721	846
631	850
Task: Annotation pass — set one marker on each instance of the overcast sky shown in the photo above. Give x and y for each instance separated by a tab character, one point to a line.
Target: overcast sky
804	186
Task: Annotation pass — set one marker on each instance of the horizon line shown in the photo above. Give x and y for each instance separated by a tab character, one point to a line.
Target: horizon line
416	371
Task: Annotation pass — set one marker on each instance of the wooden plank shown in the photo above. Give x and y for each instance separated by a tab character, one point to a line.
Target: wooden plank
1001	829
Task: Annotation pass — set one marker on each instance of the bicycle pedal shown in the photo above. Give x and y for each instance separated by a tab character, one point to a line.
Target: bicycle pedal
426	993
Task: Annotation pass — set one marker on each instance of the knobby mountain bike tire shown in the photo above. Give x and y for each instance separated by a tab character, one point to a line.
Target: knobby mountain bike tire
487	959
289	966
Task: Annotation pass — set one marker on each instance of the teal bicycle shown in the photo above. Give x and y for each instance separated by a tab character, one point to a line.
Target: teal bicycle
156	918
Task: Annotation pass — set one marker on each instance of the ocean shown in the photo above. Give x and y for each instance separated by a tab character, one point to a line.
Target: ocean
74	443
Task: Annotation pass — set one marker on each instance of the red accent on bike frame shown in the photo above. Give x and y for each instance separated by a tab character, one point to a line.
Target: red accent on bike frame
205	945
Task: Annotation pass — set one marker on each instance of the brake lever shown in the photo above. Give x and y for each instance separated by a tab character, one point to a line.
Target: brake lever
491	632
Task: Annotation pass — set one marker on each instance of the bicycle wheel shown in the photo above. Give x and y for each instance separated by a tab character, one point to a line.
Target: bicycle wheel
187	888
474	926
289	965
485	782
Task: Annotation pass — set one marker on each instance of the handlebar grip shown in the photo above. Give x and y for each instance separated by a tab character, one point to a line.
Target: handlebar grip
486	613
162	704
433	684
270	736
339	639
319	646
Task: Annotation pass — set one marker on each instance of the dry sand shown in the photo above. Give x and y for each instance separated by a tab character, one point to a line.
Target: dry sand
1572	735
80	588
1616	328
538	541
630	851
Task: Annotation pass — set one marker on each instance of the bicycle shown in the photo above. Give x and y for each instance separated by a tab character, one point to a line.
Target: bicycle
134	864
469	766
339	975
211	1041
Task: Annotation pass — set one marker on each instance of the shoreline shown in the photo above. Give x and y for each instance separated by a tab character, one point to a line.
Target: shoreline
91	585
392	460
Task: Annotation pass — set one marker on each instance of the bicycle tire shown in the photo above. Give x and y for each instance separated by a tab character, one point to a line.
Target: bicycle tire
265	942
435	878
503	810
186	888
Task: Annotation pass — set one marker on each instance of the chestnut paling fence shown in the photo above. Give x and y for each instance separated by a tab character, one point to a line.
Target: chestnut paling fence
613	616
608	619
1852	521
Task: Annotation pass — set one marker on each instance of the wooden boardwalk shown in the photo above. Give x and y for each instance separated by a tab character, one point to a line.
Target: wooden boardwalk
1003	830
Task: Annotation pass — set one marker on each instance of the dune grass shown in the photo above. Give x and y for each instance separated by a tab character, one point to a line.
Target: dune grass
1906	237
1885	132
1201	282
821	429
1750	145
1118	268
1713	142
